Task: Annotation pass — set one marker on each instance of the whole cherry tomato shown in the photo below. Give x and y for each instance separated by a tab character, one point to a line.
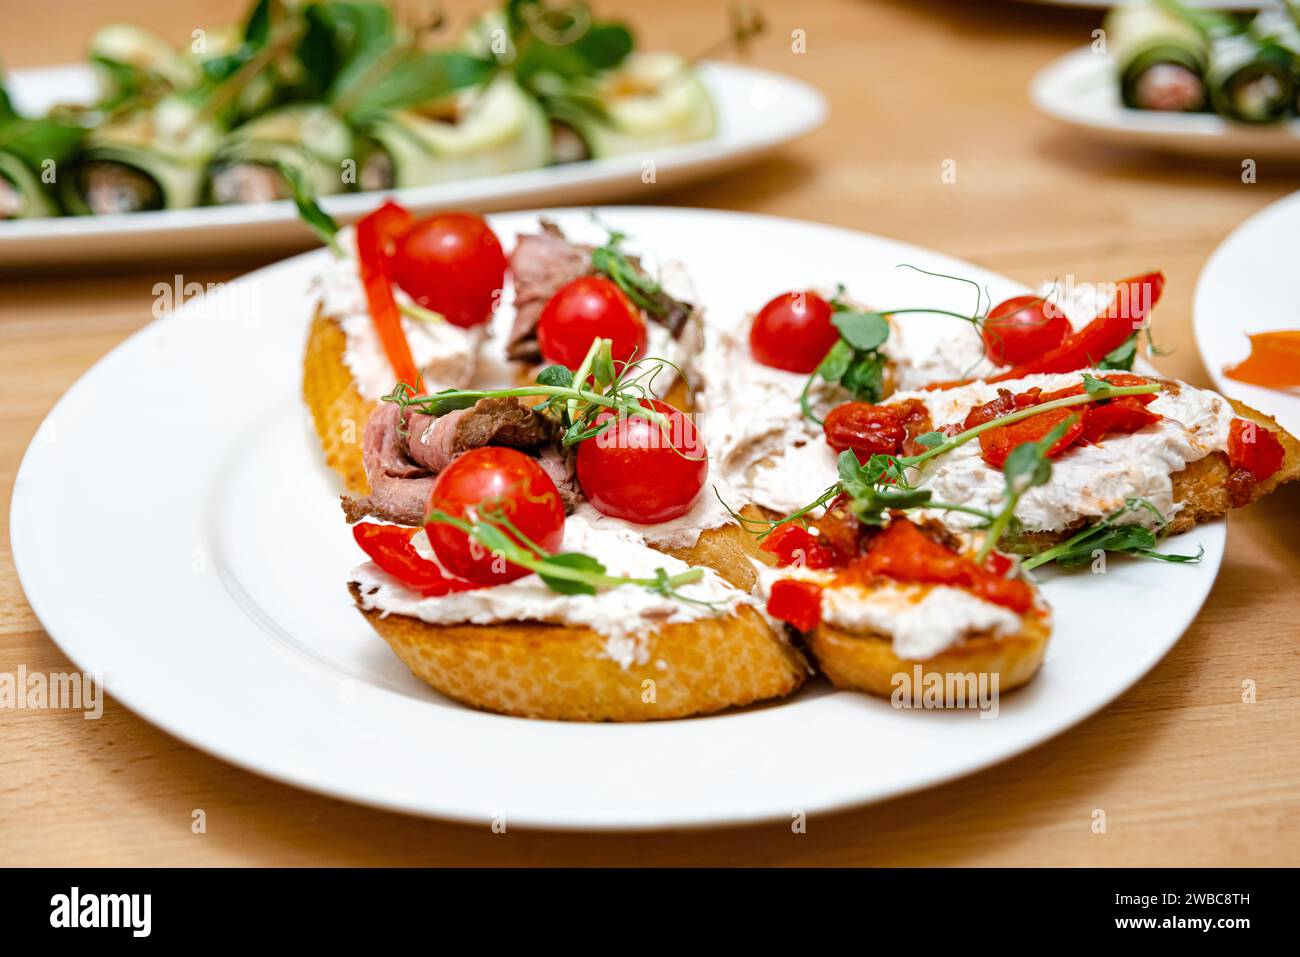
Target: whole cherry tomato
488	483
641	472
1019	330
592	307
866	429
453	264
793	332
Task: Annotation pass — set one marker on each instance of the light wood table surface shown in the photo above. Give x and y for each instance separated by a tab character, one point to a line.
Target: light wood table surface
1185	771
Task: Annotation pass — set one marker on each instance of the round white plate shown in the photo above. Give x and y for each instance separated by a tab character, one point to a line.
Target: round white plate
1251	284
176	531
758	110
1082	91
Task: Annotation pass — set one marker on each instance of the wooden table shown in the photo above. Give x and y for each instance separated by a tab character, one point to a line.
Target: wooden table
1185	771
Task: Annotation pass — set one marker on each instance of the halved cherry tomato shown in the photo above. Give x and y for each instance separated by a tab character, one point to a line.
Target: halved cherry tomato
486	483
389	547
376	233
793	332
453	264
1254	448
798	602
589	308
997	444
794	545
866	429
640	472
904	553
1019	329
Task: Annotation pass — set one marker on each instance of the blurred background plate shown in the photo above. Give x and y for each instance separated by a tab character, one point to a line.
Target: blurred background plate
1251	284
758	110
1081	90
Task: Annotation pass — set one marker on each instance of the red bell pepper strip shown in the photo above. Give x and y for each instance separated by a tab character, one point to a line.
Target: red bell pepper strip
797	602
1254	448
389	547
376	235
1127	313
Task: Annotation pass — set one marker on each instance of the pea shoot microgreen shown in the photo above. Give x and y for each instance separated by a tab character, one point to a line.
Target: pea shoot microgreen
1108	535
568	573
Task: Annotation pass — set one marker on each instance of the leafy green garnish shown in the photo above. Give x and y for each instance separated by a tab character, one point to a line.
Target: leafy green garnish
854	362
1122	356
1107	535
568	573
309	208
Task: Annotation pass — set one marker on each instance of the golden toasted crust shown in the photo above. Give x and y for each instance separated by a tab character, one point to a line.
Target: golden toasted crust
866	662
534	670
337	408
727	550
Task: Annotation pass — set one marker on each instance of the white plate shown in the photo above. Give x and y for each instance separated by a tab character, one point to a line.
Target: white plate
757	111
175	530
1104	4
1251	284
1082	91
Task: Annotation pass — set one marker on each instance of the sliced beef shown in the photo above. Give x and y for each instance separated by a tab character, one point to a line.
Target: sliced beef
562	466
541	264
404	451
433	443
399	487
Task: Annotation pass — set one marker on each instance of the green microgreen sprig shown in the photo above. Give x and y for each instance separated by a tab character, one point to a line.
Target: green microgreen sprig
1107	535
568	573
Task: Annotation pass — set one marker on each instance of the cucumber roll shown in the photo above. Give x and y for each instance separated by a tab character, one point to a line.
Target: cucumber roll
1251	79
1162	58
650	100
309	138
151	158
477	131
129	60
22	195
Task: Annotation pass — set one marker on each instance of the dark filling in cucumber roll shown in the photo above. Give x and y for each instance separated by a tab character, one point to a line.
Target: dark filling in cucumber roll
12	201
1258	93
1170	87
567	144
248	183
107	187
377	170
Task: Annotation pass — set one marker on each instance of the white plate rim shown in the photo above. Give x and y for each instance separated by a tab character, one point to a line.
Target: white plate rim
776	109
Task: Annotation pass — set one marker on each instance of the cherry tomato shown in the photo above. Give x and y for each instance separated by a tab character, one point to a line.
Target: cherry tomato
637	471
592	307
866	429
453	264
483	483
1018	330
390	547
793	332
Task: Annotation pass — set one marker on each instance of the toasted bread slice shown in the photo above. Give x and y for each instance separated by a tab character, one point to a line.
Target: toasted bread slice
338	410
536	670
866	661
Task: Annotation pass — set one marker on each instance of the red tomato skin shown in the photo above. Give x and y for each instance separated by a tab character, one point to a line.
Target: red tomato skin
389	547
500	479
1019	329
1116	417
1260	454
997	444
866	429
797	602
794	545
902	552
453	264
636	472
793	332
589	308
